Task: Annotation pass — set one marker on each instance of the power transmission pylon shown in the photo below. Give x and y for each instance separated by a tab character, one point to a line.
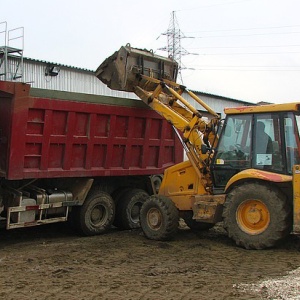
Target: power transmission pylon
174	48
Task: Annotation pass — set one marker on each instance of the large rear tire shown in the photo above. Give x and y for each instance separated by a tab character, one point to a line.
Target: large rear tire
97	213
159	218
257	216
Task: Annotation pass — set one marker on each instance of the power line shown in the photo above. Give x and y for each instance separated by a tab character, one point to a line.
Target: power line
249	53
245	70
175	50
212	5
243	47
241	29
251	34
249	68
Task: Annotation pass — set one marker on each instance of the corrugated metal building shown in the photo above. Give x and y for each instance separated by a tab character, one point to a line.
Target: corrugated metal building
54	76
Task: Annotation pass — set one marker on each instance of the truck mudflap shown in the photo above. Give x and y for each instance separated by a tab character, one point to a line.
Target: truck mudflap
208	208
121	71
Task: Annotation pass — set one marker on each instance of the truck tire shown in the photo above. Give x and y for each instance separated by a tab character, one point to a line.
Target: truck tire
129	207
157	180
159	218
97	213
193	224
257	216
117	196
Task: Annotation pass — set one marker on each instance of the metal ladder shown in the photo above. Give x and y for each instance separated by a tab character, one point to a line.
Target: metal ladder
11	52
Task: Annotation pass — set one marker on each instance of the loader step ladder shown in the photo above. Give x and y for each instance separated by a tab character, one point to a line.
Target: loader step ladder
11	52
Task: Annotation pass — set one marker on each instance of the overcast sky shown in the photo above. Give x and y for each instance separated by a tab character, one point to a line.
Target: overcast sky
242	49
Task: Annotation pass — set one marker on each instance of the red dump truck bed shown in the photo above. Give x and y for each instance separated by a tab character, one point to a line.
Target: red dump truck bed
46	134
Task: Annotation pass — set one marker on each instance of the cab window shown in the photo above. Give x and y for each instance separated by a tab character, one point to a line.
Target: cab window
267	143
291	132
233	152
235	143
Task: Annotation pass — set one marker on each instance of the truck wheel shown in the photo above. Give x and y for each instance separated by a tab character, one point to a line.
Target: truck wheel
157	180
257	216
159	218
129	207
155	183
193	224
117	195
96	214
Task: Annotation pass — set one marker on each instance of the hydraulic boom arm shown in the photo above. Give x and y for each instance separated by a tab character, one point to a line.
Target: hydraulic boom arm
153	79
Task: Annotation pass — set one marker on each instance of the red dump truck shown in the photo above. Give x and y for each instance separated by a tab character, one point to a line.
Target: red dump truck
91	159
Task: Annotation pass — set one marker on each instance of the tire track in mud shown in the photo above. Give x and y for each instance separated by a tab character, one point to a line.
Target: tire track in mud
51	262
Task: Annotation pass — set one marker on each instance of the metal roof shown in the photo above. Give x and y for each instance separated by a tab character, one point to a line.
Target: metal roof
57	64
93	71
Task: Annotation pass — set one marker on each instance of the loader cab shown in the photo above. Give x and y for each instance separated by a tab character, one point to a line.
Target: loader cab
261	140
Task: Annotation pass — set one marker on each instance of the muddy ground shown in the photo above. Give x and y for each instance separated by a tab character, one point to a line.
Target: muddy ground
52	262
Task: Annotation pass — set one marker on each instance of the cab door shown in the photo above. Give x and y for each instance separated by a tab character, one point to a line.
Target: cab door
250	141
233	153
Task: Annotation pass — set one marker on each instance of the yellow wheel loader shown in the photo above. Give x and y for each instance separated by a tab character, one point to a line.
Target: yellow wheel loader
244	170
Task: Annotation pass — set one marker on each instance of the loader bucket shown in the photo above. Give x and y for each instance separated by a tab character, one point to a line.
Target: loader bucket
121	71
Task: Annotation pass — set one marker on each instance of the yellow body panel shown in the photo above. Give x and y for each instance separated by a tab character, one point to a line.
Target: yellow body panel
180	183
257	174
296	190
263	108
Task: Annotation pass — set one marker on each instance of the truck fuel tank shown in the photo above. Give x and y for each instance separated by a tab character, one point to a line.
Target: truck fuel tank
121	70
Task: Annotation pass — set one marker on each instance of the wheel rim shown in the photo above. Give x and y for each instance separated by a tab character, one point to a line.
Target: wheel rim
98	215
135	212
154	219
253	217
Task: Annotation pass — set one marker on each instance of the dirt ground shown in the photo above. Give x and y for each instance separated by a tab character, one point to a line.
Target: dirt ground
52	262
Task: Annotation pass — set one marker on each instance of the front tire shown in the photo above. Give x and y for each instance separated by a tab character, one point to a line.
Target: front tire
97	213
159	218
257	216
